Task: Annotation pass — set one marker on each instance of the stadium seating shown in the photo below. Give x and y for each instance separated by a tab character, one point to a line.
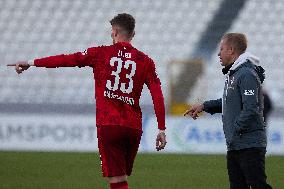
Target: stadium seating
263	23
166	30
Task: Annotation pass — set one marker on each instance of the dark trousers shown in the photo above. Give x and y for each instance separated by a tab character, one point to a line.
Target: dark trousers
246	169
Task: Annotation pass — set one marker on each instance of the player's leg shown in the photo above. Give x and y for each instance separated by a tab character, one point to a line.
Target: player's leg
132	148
253	165
112	153
236	176
117	179
117	183
130	144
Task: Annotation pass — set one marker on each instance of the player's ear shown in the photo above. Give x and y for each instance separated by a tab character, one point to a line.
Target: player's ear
231	50
115	32
133	34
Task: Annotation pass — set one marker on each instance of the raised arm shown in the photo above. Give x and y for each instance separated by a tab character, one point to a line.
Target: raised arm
79	59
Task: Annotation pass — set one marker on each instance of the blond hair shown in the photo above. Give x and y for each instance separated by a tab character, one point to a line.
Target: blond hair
237	40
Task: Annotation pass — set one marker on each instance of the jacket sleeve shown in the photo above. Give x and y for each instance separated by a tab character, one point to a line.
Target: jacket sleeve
213	106
79	59
154	85
249	89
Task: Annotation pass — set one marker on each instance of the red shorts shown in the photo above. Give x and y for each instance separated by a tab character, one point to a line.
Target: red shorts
118	147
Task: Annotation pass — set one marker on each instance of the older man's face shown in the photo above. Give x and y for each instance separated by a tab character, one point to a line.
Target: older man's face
225	53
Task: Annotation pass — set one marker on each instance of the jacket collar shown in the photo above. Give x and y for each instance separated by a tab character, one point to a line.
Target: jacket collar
243	58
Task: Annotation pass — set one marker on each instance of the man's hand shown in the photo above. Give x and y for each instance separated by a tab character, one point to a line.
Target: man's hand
161	141
194	110
20	66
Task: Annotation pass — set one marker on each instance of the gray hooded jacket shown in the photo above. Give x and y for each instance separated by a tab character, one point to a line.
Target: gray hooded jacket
242	105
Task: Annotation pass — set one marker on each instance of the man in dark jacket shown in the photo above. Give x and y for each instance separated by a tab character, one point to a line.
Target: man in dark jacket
242	109
268	106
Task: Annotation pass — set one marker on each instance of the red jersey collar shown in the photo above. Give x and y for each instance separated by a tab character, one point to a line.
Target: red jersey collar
123	43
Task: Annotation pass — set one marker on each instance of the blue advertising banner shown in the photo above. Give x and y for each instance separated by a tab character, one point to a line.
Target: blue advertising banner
78	133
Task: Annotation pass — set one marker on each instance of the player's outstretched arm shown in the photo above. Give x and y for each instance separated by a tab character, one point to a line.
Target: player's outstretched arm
194	110
79	59
20	66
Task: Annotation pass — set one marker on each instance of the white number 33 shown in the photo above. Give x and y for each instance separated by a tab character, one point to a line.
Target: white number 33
114	86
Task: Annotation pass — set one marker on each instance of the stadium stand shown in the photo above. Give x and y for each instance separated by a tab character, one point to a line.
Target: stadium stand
263	28
166	30
40	28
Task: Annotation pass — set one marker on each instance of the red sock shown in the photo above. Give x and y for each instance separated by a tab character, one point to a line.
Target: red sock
119	185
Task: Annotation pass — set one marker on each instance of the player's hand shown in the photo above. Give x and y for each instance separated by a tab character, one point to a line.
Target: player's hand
20	66
161	141
194	110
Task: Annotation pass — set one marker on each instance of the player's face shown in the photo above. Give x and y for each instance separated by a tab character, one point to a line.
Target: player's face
225	53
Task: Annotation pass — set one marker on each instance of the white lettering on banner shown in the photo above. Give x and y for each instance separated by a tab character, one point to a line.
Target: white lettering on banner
37	133
78	133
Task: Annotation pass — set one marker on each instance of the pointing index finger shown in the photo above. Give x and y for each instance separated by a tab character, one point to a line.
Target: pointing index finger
11	64
187	112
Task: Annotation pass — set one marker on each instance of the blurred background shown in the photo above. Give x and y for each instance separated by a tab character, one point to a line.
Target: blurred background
54	109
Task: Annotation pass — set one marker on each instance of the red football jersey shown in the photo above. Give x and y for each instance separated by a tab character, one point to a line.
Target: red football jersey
120	71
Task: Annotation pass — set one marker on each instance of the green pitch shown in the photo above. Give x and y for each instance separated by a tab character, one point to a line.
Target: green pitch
40	170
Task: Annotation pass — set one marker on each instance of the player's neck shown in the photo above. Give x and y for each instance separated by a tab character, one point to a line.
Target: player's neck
123	40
